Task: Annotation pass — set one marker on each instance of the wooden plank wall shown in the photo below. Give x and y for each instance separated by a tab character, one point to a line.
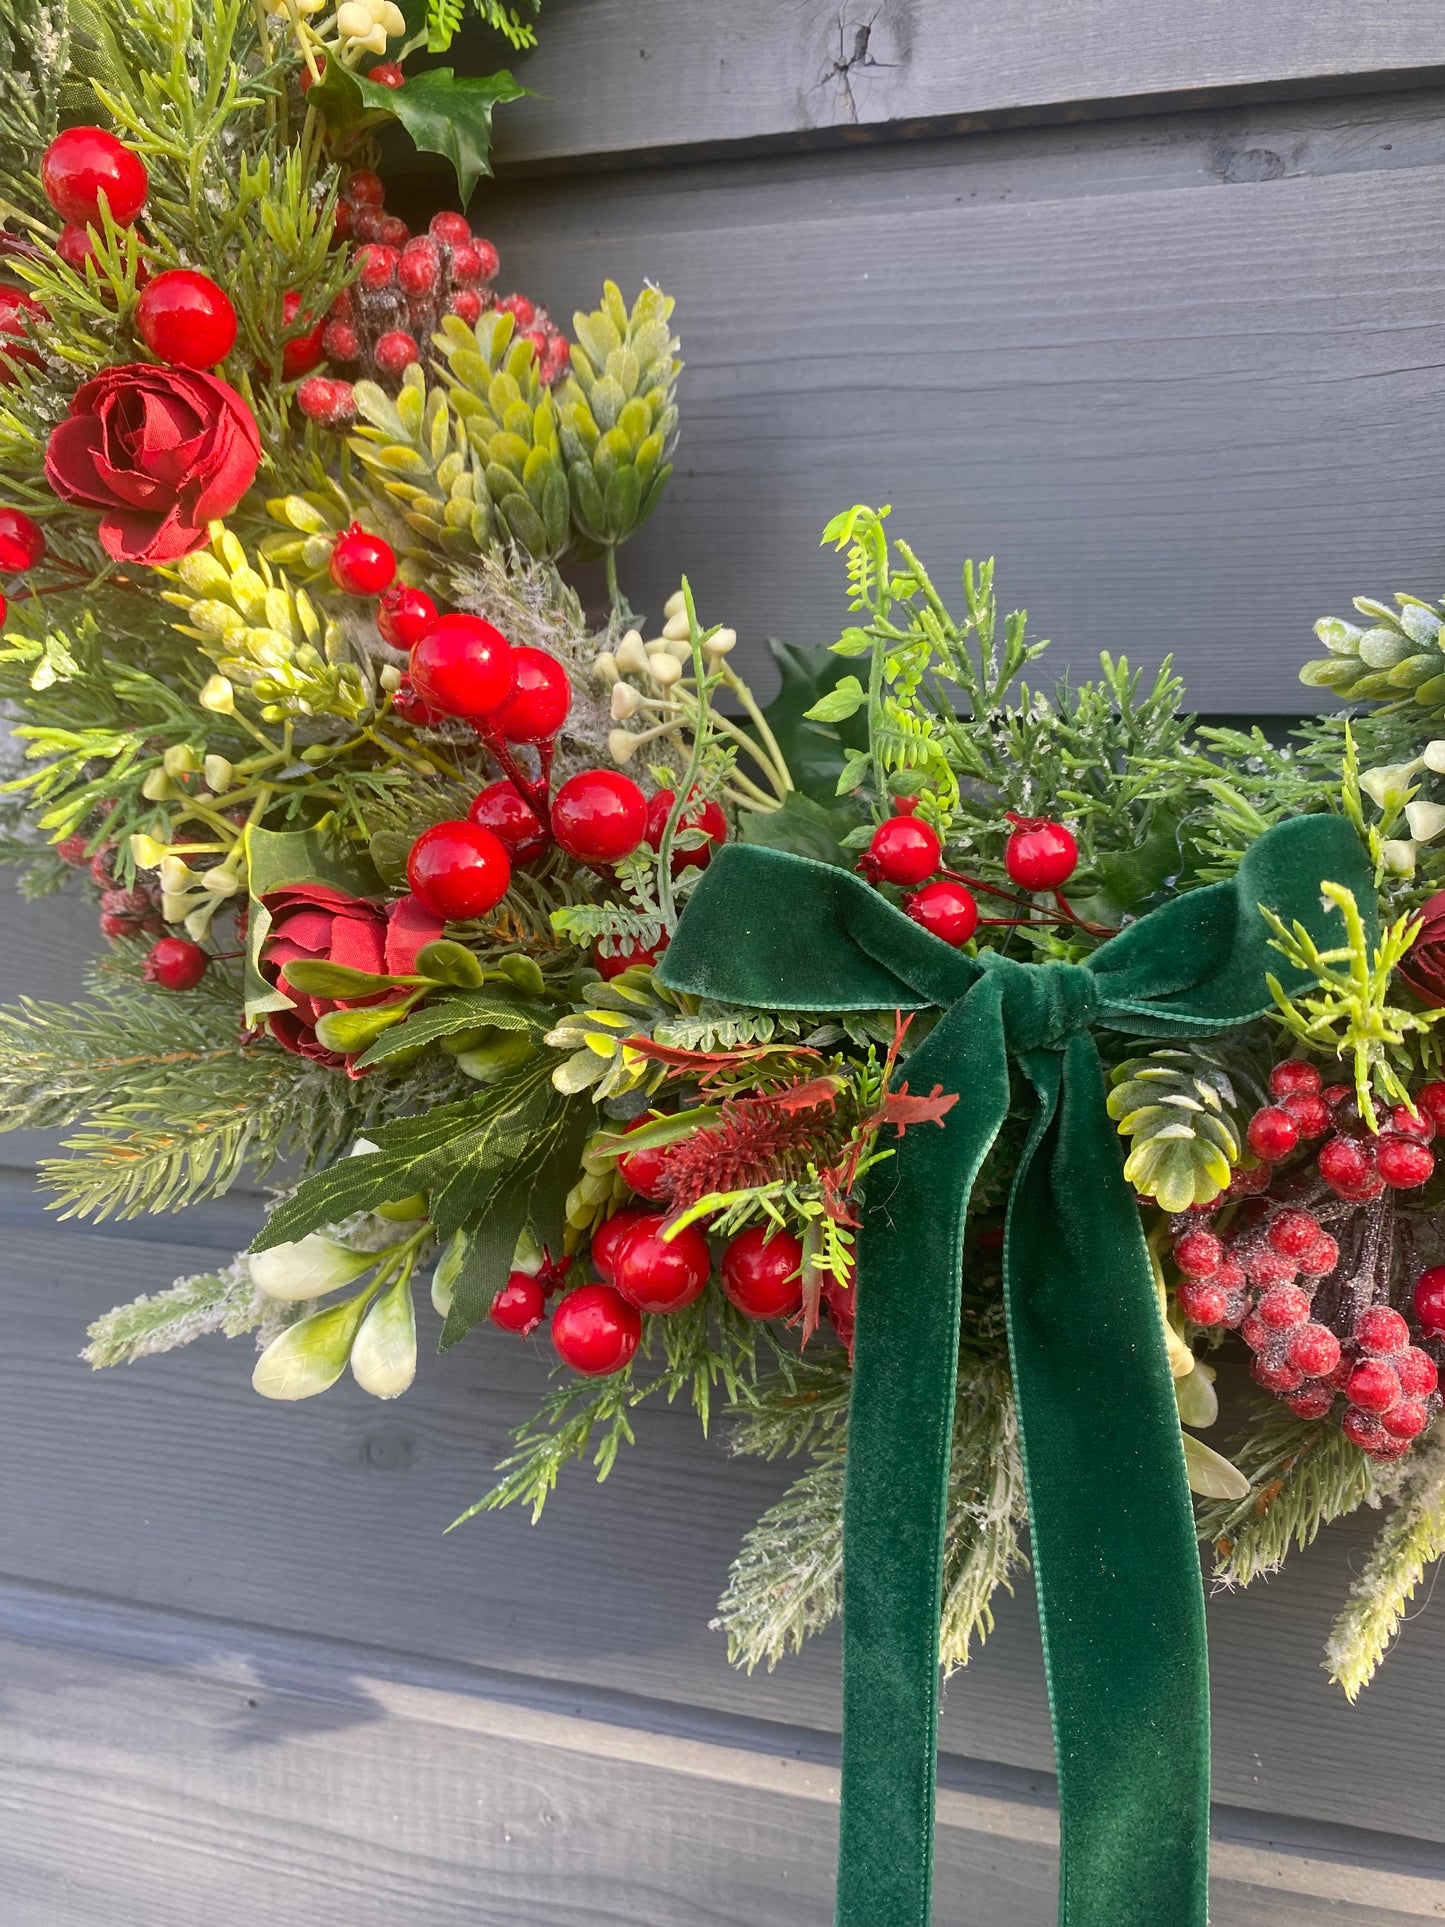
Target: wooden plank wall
1145	300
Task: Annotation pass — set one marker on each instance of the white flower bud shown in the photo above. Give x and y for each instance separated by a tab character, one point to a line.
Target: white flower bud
675	603
393	21
383	1359
631	656
197	925
625	701
604	666
145	852
676	627
620	745
354	20
1426	820
222	881
721	644
311	1354
180	760
1433	756
219	774
307	1268
1386	784
176	904
666	669
390	678
177	876
218	696
1399	856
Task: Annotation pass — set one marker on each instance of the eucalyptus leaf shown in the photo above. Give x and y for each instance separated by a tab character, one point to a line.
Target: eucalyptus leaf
316	978
447	962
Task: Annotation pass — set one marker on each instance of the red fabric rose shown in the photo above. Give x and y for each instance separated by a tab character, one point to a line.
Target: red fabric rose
1423	964
162	451
309	920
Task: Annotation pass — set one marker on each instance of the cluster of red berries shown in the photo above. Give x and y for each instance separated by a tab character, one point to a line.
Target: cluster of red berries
1319	1326
1039	855
80	168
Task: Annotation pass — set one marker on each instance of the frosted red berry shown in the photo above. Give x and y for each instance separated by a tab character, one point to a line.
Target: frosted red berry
303	351
84	165
520	1304
1405	1420
1250	1181
1277	1375
1321	1258
519	307
1293	1074
1363	1429
1404	1163
21	542
1265	1266
511	819
1310	1401
1372	1386
599	816
365	185
183	317
1381	1329
657	1274
904	850
1345	1166
449	227
340	341
395	351
643	1170
378	265
946	909
1418	1373
1292	1233
1198	1253
1310	1113
462	666
361	563
488	257
386	73
459	870
540	699
466	305
610	1234
405	615
420	266
1283	1307
1272	1134
762	1272
1203	1301
1430	1099
1040	854
1255	1333
1314	1350
595	1330
1430	1301
175	964
707	817
332	403
394	232
1407	1123
466	265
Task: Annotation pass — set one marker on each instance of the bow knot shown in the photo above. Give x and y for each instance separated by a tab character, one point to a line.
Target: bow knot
1043	1004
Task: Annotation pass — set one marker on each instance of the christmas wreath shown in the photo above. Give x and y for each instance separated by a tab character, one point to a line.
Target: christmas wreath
533	957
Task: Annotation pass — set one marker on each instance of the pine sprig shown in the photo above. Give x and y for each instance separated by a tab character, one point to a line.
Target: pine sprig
1302	1473
223	1301
1412	1538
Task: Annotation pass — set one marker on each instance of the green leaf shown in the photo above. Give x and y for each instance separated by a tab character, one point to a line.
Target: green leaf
444	115
389	852
286	859
1210	1474
447	962
841	702
801	826
316	978
656	1132
496	1005
813	751
311	1355
349	1031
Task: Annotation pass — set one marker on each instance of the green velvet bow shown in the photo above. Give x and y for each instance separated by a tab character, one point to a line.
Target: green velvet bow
1115	1558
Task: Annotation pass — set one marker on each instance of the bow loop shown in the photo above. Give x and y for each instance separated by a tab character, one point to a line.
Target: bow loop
1044	1005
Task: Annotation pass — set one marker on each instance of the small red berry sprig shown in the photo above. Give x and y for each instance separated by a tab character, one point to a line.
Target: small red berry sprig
1303	1264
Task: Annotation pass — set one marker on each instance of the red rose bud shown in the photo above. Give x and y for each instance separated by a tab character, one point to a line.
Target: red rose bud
1423	965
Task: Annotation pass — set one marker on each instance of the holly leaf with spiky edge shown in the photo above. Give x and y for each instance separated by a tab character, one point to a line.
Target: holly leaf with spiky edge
444	113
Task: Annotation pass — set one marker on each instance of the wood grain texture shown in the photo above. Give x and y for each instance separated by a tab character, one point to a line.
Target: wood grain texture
627	77
1186	418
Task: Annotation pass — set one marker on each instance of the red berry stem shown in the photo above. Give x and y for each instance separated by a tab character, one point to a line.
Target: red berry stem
535	795
1072	916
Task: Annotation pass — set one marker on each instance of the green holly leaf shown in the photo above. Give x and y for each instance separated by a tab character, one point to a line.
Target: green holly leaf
802	826
444	113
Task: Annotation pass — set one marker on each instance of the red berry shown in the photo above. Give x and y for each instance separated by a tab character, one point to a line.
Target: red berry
1337	1094
627	958
1040	854
1265	1266
556	359
84	165
378	265
519	307
1430	1301
1311	1114
610	1234
1203	1302
175	964
332	403
1230	1275
904	850
72	850
761	1272
1311	1401
113	925
21	542
643	1171
361	563
466	305
1363	1429
599	816
395	351
1417	1372
518	1307
1407	1123
1373	1387
466	265
185	318
306	82
595	1330
1431	1100
1283	1307
16	312
450	228
1407	1420
1278	1377
1255	1333
660	1275
1294	1074
708	817
364	185
76	248
462	666
1272	1134
420	266
405	615
393	232
1292	1233
410	707
510	819
540	699
1381	1329
386	73
458	870
1321	1258
1314	1349
1199	1253
340	342
302	352
1345	1166
1250	1181
1403	1162
488	257
946	909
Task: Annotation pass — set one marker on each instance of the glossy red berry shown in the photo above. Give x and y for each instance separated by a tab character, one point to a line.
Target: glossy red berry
1430	1301
1417	1372
657	1274
904	850
643	1171
540	699
945	909
304	351
405	615
1198	1253
1381	1329
1040	854
599	816
708	818
1407	1123
366	186
520	1304
76	248
627	958
1404	1163
762	1272
462	666
610	1234
1309	1112
1203	1301
361	563
17	311
410	707
1311	1401
595	1330
1321	1258
1292	1233
450	228
185	318
1430	1099
510	819
459	870
21	542
395	351
378	265
1348	1170
175	964
1373	1386
420	266
1293	1074
1272	1134
332	403
386	73
84	165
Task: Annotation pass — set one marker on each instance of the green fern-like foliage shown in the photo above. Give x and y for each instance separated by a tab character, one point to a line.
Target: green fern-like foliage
1182	1116
444	20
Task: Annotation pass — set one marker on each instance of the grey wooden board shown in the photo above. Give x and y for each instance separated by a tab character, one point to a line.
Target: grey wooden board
1185	411
661	76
